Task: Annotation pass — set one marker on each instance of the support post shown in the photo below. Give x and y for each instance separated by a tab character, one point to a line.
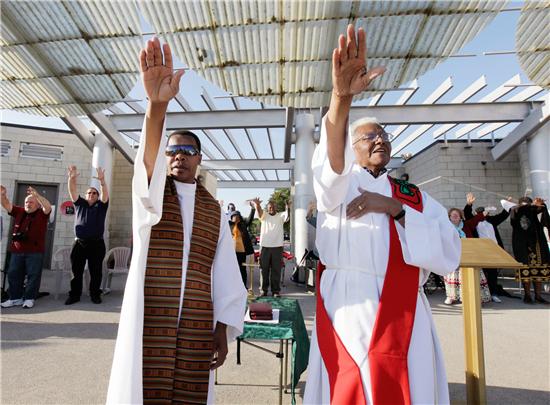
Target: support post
473	337
538	150
102	156
303	181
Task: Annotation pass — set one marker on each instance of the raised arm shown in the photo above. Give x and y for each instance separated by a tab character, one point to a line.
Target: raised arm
258	205
6	203
43	201
161	84
250	218
287	210
349	77
104	192
468	208
71	183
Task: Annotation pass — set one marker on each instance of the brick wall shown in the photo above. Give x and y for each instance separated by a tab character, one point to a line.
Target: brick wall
449	173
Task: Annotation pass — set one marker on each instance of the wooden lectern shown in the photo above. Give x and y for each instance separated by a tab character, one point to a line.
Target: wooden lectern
478	254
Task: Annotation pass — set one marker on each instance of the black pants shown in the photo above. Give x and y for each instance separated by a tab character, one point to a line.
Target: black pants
270	262
93	251
492	277
241	258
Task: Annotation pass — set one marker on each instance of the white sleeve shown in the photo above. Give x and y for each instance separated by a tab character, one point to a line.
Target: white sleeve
330	187
149	194
228	291
429	240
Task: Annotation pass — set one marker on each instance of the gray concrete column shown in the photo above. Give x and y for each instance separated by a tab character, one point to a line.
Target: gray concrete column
303	180
102	156
538	150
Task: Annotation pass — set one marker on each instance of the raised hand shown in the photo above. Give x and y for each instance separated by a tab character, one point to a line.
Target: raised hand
32	191
349	64
3	192
256	202
470	198
101	175
73	174
160	81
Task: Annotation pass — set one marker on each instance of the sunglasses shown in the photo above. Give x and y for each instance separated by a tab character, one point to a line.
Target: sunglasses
187	150
92	192
371	137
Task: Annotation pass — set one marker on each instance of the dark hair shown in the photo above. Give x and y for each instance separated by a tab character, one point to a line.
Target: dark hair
405	176
184	132
525	200
480	209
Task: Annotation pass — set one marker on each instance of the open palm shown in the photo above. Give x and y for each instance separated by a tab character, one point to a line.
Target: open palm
160	81
349	64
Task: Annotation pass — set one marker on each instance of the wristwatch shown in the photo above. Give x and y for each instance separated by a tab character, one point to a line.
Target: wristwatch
400	215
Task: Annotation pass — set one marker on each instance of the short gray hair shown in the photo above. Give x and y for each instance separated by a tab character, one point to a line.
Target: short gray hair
360	122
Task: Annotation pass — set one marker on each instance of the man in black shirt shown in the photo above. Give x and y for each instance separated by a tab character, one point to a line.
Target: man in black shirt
89	224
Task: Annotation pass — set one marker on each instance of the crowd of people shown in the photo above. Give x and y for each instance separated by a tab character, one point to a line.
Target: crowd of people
530	245
185	295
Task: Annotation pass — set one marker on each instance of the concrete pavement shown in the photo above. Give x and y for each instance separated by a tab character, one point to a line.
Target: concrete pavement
57	354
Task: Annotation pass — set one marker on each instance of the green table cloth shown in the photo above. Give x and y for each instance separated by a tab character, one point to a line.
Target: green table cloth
291	326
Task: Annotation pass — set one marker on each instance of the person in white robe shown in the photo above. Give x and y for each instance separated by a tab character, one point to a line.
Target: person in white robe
150	170
354	209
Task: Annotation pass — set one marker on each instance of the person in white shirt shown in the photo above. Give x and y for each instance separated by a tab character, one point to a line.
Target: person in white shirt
271	243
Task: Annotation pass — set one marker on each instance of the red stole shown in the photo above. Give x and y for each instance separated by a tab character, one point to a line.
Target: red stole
392	332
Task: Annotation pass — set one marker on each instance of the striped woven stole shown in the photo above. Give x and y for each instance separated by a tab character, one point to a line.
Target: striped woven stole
177	349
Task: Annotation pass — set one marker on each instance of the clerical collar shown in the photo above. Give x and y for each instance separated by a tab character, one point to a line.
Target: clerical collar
382	171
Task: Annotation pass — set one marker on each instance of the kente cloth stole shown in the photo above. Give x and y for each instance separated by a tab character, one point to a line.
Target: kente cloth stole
177	350
392	332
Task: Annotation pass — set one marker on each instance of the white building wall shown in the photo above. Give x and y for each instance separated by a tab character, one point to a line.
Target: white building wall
19	169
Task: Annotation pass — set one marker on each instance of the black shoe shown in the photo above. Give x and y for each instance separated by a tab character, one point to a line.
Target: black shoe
96	299
541	300
528	300
72	300
264	294
276	295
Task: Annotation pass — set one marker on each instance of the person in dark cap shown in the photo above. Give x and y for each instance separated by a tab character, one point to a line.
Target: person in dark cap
241	238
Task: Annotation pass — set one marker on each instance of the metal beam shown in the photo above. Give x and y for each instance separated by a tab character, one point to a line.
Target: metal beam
410	114
107	128
81	131
289	128
439	92
247	164
536	119
473	89
521	96
465	95
254	184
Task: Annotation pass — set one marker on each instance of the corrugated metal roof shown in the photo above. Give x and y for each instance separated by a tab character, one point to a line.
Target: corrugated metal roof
280	51
275	51
533	45
64	58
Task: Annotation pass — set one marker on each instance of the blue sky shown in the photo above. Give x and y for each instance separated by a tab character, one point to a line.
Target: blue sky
498	36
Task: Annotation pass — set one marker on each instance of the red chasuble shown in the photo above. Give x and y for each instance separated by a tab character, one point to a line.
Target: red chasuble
389	345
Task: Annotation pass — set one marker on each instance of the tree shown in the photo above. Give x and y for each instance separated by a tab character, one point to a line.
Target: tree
280	196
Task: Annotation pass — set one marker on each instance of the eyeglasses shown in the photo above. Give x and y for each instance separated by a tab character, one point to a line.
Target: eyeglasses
187	150
371	137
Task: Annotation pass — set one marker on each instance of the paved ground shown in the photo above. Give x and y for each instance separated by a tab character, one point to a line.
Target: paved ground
53	354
